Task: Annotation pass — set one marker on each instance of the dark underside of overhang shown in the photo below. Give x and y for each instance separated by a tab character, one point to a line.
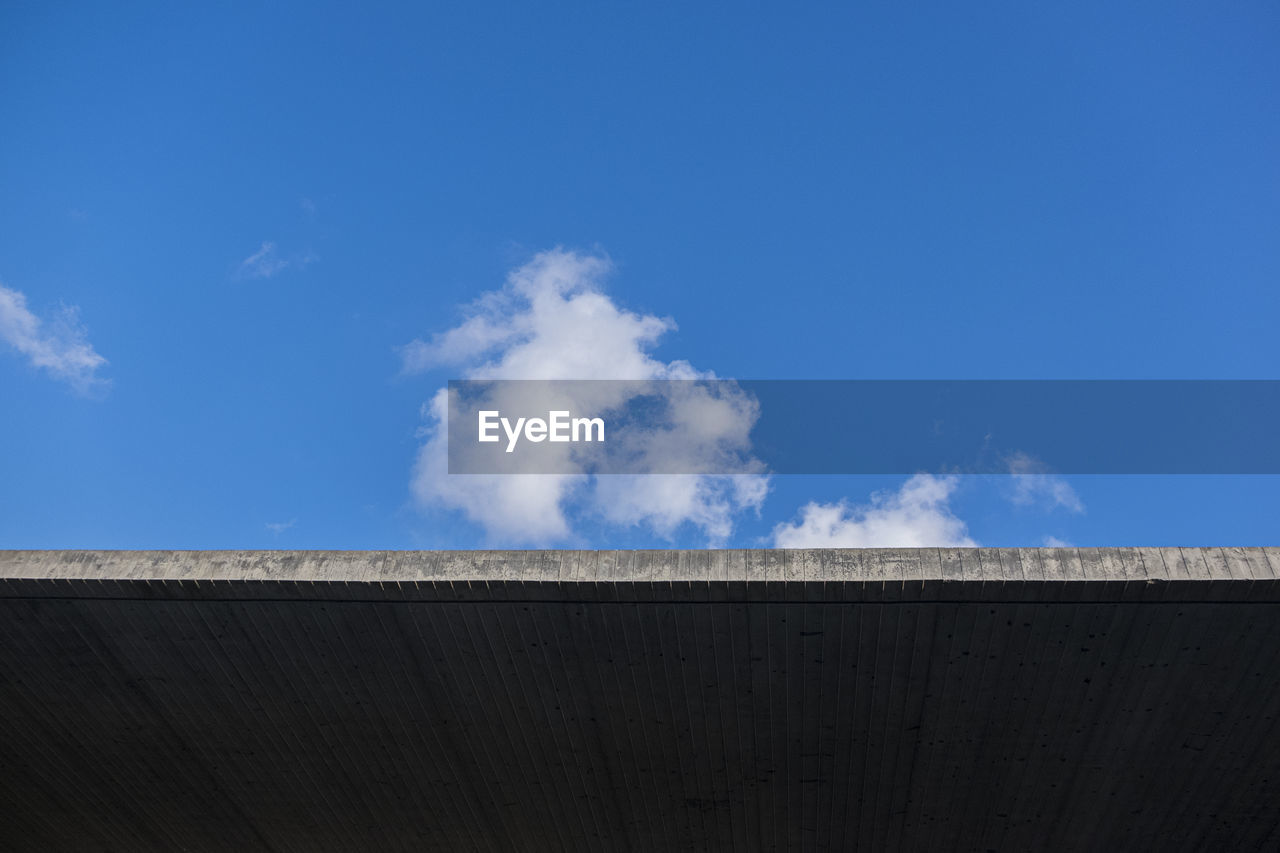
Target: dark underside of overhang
1069	700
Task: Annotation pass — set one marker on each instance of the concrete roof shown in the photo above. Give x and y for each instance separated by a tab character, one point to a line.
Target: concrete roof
844	574
971	699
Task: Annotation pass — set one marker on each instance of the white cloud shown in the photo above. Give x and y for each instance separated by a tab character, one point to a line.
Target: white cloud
552	321
1032	487
918	515
1055	542
267	262
664	502
278	527
511	508
59	347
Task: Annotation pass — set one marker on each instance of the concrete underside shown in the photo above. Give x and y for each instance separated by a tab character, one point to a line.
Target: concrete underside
978	699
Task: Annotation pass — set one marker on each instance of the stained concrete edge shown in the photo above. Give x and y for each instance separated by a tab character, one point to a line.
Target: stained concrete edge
1163	574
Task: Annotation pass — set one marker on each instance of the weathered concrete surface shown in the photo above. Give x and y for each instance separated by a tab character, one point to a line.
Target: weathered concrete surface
928	699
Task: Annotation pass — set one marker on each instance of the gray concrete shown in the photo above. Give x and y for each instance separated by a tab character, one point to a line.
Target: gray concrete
966	699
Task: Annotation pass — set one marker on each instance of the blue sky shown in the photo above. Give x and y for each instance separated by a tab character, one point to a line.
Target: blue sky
249	210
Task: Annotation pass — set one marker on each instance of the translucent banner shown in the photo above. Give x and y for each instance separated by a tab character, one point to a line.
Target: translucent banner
720	426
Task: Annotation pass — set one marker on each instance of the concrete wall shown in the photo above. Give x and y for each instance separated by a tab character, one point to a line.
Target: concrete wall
928	699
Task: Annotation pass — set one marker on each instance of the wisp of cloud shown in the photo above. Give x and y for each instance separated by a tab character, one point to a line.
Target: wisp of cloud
60	347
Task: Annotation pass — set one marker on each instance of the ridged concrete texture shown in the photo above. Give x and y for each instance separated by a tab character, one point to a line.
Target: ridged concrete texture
979	699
